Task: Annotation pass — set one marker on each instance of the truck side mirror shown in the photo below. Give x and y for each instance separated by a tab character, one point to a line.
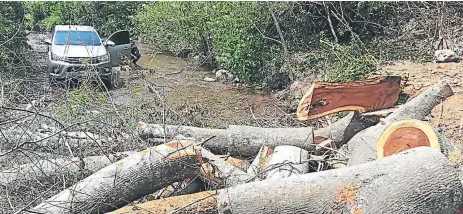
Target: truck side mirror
110	43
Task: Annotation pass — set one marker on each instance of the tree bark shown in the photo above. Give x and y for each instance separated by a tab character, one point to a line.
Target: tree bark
243	141
362	147
325	98
247	141
43	169
430	185
131	178
260	161
287	161
341	131
187	186
223	173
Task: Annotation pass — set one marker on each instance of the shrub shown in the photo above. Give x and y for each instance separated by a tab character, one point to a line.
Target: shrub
106	17
230	32
344	63
12	38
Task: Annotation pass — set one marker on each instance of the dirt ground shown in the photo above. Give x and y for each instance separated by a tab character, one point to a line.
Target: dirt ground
181	84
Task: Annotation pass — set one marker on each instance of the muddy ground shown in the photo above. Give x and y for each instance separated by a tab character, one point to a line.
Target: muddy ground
180	83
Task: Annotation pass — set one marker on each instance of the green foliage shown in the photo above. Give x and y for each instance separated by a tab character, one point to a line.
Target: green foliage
174	27
238	44
344	63
12	37
229	31
107	17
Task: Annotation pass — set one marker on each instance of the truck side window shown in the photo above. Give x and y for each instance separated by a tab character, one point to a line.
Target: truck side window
121	38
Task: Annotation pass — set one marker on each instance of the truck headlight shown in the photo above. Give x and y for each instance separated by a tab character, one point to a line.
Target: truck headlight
103	58
57	58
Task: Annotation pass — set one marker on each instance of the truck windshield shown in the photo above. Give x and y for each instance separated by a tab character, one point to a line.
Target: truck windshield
77	38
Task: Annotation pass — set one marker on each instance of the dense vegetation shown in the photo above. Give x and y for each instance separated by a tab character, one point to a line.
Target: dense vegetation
12	37
257	41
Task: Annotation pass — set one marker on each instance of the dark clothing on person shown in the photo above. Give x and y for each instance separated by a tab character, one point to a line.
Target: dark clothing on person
136	53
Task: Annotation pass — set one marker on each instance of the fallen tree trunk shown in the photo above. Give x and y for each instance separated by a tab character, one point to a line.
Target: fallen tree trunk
325	98
365	188
286	161
341	131
137	175
126	180
242	141
43	169
361	148
246	141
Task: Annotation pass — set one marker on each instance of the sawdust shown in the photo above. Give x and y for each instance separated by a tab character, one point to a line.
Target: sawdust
347	198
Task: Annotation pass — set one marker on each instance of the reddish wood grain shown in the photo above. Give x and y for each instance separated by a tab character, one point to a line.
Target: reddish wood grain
367	95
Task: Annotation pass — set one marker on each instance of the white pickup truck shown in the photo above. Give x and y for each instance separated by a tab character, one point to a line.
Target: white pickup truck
74	50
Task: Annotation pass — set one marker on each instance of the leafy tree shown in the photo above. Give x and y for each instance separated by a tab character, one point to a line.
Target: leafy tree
13	35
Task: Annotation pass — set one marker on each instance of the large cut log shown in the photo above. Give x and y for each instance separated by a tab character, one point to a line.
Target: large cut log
341	131
429	185
362	147
325	98
246	141
242	141
43	169
131	178
287	161
403	135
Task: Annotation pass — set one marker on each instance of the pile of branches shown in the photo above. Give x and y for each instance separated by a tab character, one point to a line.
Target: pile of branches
335	169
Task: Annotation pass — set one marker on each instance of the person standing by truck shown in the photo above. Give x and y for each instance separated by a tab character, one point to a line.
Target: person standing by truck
135	53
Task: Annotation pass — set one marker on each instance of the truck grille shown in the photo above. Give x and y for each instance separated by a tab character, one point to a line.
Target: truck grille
82	60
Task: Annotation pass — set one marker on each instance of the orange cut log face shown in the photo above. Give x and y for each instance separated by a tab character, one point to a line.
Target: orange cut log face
404	139
403	135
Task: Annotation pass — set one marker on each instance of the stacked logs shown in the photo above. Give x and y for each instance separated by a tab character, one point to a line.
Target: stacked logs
360	164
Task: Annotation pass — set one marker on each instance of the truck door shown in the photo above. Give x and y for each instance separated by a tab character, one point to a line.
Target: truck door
121	47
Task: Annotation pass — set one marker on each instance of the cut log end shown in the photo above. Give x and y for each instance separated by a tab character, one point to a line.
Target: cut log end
367	95
404	135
